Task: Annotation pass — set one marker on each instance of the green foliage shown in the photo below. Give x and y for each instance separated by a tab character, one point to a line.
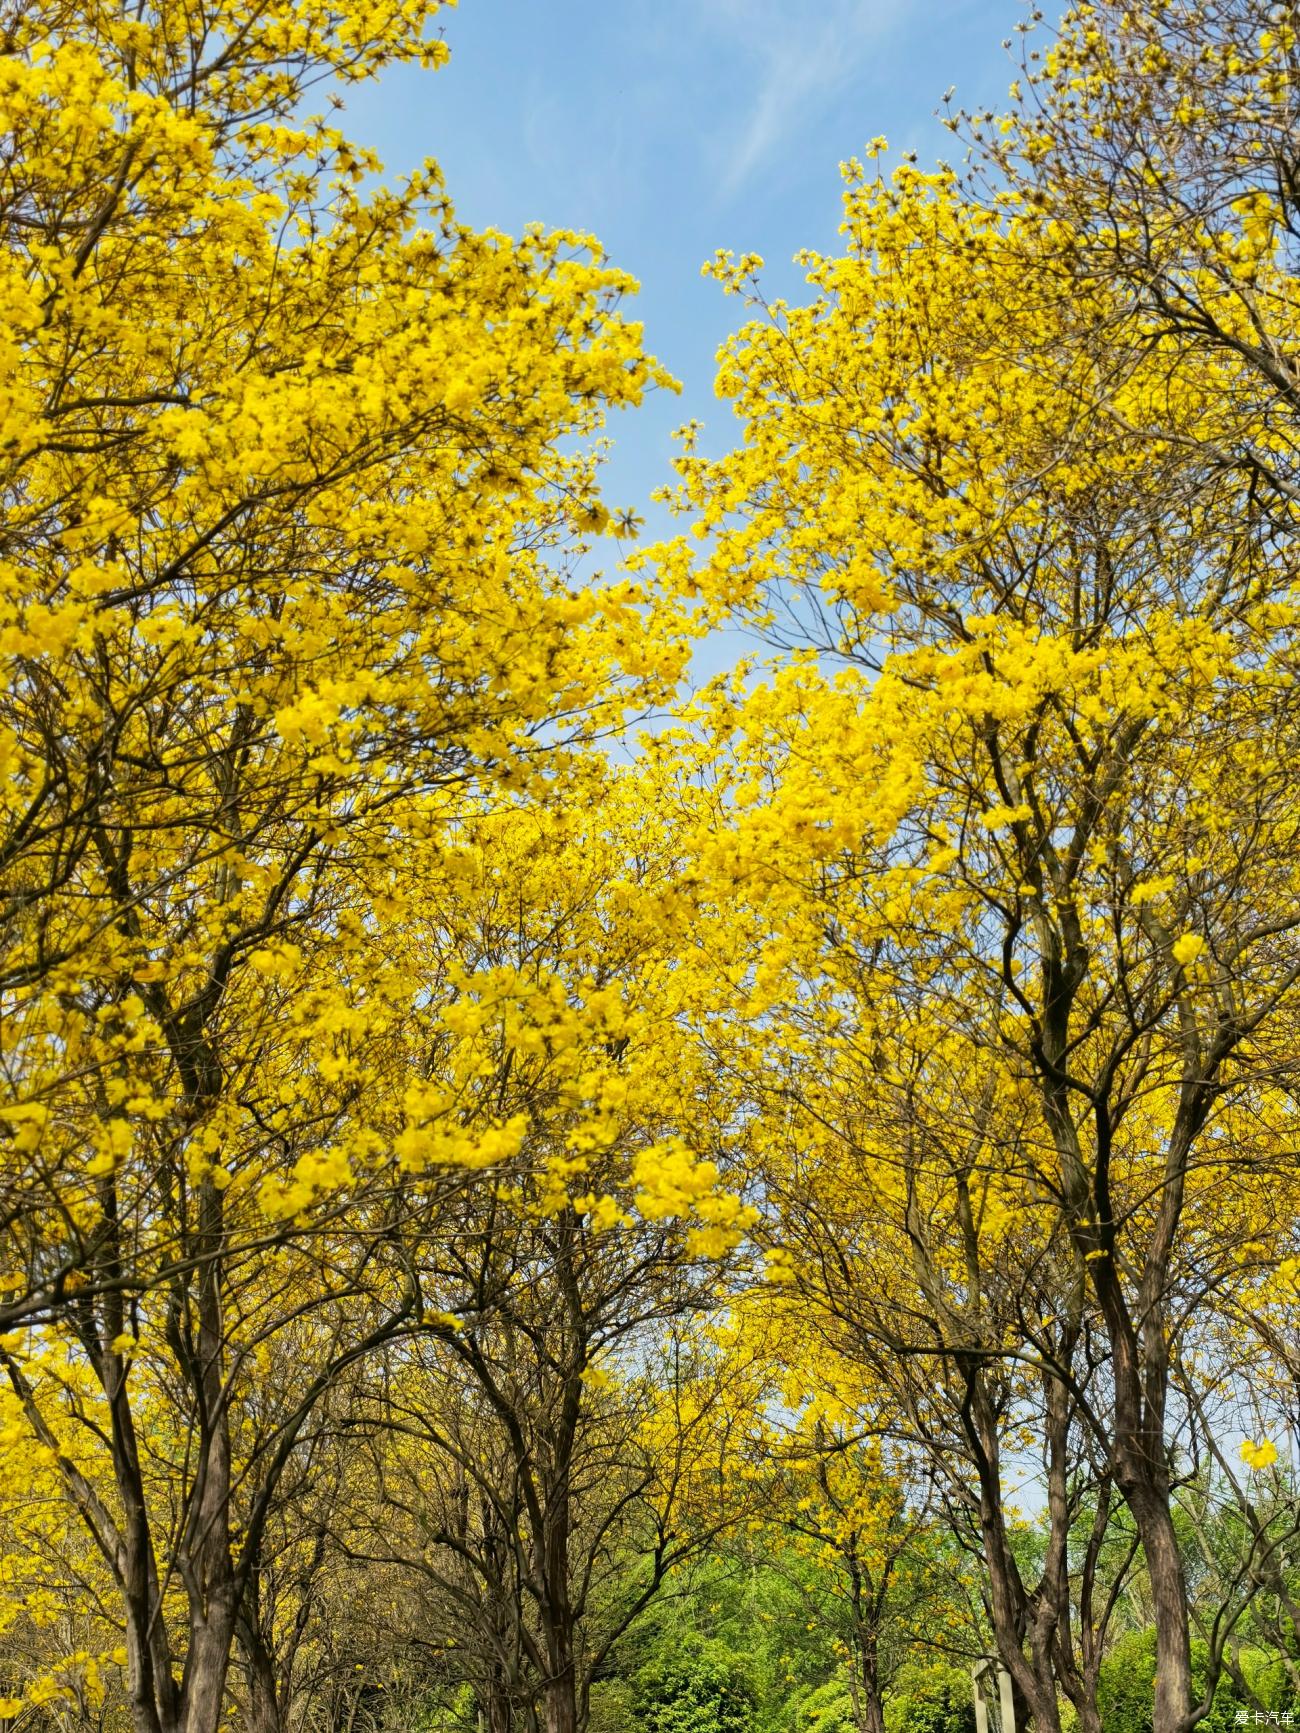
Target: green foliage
700	1687
449	1710
820	1707
733	1646
932	1699
1127	1683
827	1708
611	1706
1266	1676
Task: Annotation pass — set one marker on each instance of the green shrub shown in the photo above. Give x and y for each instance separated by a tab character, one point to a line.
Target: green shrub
1126	1685
934	1699
699	1688
826	1708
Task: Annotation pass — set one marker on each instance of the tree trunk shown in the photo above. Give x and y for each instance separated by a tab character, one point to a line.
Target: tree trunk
1173	1693
561	1699
264	1708
868	1611
872	1717
561	1696
496	1712
1032	1675
209	1566
1140	1370
562	1702
1135	1329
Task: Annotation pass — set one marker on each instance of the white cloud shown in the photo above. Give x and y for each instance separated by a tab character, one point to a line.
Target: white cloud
798	53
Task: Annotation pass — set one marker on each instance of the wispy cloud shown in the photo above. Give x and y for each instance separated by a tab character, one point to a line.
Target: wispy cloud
792	55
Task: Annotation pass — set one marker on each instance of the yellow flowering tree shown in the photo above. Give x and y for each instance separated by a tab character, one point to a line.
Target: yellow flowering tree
855	1518
291	475
294	472
561	1428
1016	820
1157	146
489	1157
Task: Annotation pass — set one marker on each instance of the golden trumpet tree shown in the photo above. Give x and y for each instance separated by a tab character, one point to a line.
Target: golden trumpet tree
475	1119
292	472
543	1461
1157	143
293	475
564	1434
1024	990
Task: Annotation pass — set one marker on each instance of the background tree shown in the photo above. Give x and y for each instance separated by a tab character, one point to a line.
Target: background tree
569	1430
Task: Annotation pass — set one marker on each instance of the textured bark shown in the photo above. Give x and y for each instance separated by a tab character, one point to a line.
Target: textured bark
561	1697
1139	1362
873	1713
260	1679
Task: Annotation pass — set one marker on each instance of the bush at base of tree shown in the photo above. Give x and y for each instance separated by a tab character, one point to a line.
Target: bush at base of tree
936	1699
1125	1688
700	1688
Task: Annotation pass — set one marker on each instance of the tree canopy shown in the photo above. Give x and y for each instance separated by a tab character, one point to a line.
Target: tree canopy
522	1221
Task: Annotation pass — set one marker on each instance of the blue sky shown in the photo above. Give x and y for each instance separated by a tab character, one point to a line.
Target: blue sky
675	127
